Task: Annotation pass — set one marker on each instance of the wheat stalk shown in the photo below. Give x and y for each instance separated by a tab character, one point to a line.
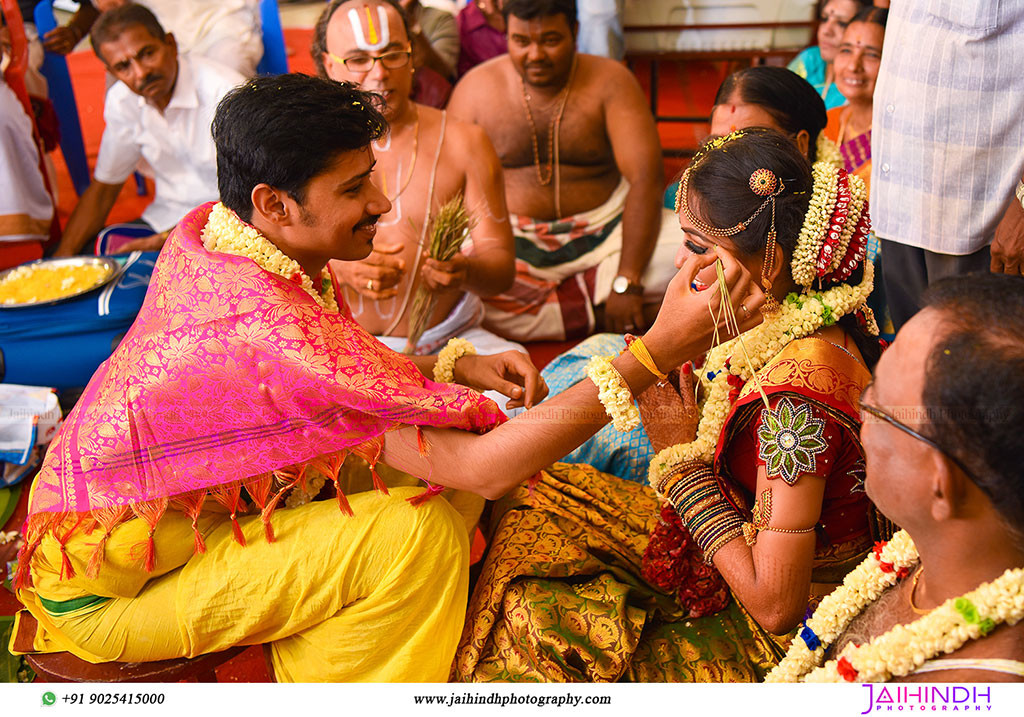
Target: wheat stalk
448	229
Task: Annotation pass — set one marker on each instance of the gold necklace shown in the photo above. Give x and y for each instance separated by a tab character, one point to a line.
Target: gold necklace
553	129
412	165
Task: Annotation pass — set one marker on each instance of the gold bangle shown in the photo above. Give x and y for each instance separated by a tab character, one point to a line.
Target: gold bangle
677	470
750	531
641	353
717	543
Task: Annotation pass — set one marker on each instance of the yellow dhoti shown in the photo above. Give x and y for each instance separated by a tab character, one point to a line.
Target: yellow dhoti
378	597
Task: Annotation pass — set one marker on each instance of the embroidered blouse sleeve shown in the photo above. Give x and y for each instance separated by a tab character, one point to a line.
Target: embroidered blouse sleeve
796	438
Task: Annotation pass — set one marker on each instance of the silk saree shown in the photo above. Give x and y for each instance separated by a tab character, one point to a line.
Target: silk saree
562	594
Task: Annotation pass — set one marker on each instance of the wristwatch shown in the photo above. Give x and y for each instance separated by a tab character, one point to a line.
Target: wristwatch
622	285
1020	193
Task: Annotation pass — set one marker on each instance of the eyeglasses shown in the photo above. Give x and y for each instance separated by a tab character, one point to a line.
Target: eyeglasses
364	63
883	416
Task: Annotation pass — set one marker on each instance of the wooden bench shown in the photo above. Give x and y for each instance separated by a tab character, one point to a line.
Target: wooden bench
65	667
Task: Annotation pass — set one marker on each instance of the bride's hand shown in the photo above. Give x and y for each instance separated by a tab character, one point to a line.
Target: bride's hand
685	326
668	410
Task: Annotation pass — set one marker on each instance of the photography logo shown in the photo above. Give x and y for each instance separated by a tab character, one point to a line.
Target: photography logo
950	698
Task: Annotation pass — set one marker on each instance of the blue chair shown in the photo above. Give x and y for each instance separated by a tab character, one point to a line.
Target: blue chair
275	59
62	94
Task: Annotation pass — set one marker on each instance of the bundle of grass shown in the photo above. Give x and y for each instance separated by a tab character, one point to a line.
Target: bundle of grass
448	229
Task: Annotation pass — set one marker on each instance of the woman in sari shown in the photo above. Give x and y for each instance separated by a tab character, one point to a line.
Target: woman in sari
856	70
814	64
769	97
849	127
760	506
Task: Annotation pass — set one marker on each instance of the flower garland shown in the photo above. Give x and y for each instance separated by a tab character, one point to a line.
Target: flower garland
800	316
904	648
816	223
613	393
226	233
444	367
674	563
828	151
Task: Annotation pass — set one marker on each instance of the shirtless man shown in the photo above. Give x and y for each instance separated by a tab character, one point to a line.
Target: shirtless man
943	462
579	145
366	42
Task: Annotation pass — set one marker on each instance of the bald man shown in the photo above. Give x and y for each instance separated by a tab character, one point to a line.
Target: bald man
425	160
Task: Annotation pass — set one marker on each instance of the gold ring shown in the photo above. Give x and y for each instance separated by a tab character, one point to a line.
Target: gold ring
746	311
369	284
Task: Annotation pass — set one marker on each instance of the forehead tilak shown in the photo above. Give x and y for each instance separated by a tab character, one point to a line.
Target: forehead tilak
370	36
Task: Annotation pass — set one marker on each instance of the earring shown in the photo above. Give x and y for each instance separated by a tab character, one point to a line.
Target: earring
771	304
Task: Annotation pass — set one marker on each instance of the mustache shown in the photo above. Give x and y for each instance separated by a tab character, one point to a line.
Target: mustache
149	80
369	221
538	65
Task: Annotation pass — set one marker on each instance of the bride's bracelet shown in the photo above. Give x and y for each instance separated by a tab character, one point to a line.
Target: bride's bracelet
613	392
674	475
444	368
698	499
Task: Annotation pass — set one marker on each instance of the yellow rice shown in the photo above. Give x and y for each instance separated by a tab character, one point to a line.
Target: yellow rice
29	284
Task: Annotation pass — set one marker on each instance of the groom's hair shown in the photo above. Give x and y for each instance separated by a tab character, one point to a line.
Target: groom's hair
284	130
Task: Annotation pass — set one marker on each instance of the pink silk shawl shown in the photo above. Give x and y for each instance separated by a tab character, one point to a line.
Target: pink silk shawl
230	376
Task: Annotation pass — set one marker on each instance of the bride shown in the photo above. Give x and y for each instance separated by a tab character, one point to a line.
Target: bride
755	507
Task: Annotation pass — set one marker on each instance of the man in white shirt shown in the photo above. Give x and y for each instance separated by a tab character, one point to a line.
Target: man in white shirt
159	111
948	145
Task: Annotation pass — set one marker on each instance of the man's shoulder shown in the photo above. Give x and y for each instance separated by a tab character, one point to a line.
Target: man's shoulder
433	18
467	138
121	102
14	122
603	72
483	91
9	104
